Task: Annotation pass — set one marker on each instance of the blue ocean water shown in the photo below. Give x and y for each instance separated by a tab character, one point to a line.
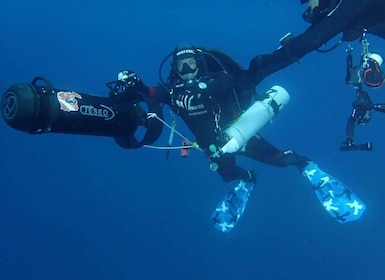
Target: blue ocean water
81	207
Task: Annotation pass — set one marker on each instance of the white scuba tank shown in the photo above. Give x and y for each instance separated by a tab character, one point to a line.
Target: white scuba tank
254	118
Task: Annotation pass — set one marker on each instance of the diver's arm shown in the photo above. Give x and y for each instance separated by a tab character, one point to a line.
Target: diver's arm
159	93
313	38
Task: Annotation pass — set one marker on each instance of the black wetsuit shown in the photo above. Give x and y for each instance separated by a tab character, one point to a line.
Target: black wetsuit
204	100
350	18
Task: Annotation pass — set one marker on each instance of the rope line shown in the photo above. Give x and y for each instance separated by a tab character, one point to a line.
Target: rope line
195	146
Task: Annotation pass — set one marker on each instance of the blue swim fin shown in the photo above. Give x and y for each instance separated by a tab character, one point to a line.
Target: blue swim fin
230	209
337	199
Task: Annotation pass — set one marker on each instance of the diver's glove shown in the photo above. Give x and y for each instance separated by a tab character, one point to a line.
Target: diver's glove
130	78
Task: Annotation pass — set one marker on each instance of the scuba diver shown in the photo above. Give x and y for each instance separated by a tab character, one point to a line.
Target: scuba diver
205	88
328	18
206	95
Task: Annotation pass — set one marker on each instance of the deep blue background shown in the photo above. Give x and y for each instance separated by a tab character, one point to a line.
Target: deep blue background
81	207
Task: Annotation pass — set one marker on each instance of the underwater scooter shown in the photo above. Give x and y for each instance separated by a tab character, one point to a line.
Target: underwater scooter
38	107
